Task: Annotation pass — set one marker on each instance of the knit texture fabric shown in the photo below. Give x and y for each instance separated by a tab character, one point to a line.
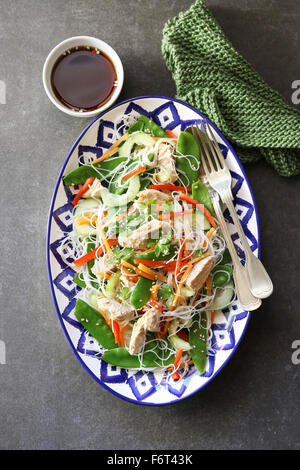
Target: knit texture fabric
214	78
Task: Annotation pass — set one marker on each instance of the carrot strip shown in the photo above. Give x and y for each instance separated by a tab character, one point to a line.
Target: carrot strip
103	315
132	277
209	235
86	220
176	297
170	134
172	215
212	316
116	331
113	149
154	290
210	232
137	171
104	275
83	190
148	251
137	270
104	239
152	273
169	187
93	254
122	340
184	197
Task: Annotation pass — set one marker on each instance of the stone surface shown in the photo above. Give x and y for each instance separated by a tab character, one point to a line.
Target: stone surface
47	400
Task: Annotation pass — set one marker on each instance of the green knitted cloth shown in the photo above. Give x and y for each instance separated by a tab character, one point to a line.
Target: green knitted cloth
214	78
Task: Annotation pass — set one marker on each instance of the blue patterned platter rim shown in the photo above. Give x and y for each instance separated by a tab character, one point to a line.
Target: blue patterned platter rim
138	387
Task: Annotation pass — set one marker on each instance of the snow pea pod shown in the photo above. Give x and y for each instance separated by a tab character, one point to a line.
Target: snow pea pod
82	173
120	357
219	276
95	324
226	257
198	339
152	256
189	162
201	194
136	126
150	125
145	124
141	292
78	280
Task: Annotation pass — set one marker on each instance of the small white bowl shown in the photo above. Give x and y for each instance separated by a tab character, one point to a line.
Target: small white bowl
82	41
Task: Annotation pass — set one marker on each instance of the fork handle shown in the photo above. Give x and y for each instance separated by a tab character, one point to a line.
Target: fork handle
260	282
246	299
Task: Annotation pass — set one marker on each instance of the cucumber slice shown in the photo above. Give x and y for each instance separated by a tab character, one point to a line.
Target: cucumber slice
162	176
117	200
177	342
83	206
138	138
111	286
93	301
223	296
83	230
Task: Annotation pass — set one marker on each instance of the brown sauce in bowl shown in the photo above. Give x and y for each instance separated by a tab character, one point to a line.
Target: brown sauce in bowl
83	78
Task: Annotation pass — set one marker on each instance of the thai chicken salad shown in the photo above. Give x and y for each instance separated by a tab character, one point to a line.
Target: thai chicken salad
152	267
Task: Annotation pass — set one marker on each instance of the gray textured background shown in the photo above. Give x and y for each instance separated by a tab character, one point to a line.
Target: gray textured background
47	400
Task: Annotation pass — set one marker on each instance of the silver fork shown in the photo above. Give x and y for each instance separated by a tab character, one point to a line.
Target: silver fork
219	178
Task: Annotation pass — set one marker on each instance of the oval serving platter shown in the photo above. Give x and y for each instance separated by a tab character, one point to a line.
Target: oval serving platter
146	388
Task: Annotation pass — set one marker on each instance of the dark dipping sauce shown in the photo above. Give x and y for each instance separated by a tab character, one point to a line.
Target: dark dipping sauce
83	78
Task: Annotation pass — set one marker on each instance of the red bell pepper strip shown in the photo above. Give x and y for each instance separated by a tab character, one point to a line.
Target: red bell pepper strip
168	187
170	134
178	356
83	190
93	254
184	197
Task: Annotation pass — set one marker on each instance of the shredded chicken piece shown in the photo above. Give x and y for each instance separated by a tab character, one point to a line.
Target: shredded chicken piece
116	310
149	321
138	239
199	273
166	163
153	194
152	319
138	337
